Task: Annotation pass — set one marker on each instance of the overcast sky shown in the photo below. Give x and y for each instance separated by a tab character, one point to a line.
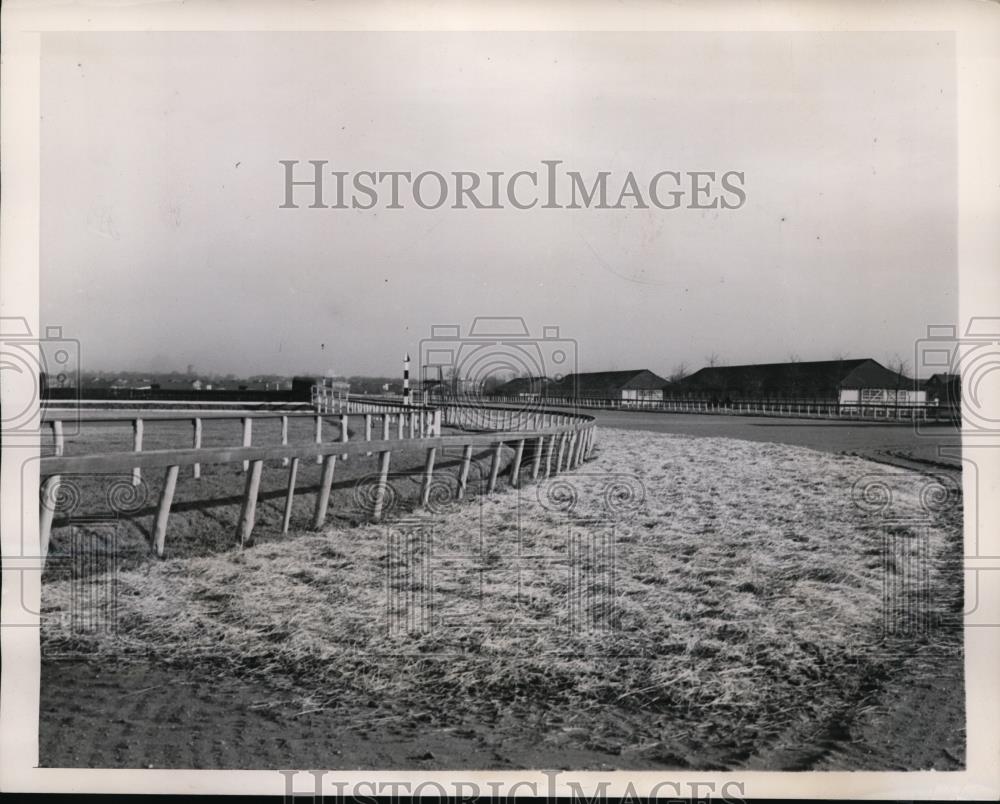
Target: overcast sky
163	243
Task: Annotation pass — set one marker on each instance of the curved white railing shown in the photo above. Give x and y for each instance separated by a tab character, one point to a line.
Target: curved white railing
562	440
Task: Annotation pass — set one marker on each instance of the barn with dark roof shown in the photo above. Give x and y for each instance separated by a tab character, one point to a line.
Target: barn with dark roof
524	386
846	381
636	385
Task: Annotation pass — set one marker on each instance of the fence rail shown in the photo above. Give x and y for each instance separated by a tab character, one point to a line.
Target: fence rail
564	440
798	408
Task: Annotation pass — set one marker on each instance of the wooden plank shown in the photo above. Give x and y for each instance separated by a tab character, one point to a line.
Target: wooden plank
137	428
463	477
383	482
495	467
323	498
128	415
425	492
293	470
515	469
196	468
123	461
50	496
248	511
163	510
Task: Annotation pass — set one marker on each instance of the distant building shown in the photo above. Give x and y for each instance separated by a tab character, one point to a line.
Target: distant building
849	382
944	389
637	385
529	387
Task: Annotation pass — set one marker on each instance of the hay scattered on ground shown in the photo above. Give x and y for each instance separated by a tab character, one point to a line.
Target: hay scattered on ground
693	598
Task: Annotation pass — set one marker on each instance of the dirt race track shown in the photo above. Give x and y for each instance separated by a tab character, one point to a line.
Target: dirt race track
900	444
748	586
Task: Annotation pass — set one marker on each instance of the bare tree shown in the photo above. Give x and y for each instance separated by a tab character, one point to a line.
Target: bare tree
793	357
679	372
712	360
898	365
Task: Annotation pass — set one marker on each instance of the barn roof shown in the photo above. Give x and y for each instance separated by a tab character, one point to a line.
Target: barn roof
591	381
941	379
521	385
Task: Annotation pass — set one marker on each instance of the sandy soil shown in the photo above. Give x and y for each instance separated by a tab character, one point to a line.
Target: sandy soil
752	587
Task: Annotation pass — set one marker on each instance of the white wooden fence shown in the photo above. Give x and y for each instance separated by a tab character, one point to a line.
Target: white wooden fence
561	439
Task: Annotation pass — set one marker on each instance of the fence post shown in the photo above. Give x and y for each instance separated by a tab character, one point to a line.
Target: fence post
137	428
323	498
287	517
344	433
463	477
368	429
163	511
437	423
319	436
495	467
385	426
550	448
50	494
399	426
412	423
284	437
58	440
559	456
249	509
383	481
425	492
536	462
196	468
515	469
247	437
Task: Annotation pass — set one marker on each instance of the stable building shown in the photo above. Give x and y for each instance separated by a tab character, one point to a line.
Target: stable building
637	385
852	383
524	387
944	389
